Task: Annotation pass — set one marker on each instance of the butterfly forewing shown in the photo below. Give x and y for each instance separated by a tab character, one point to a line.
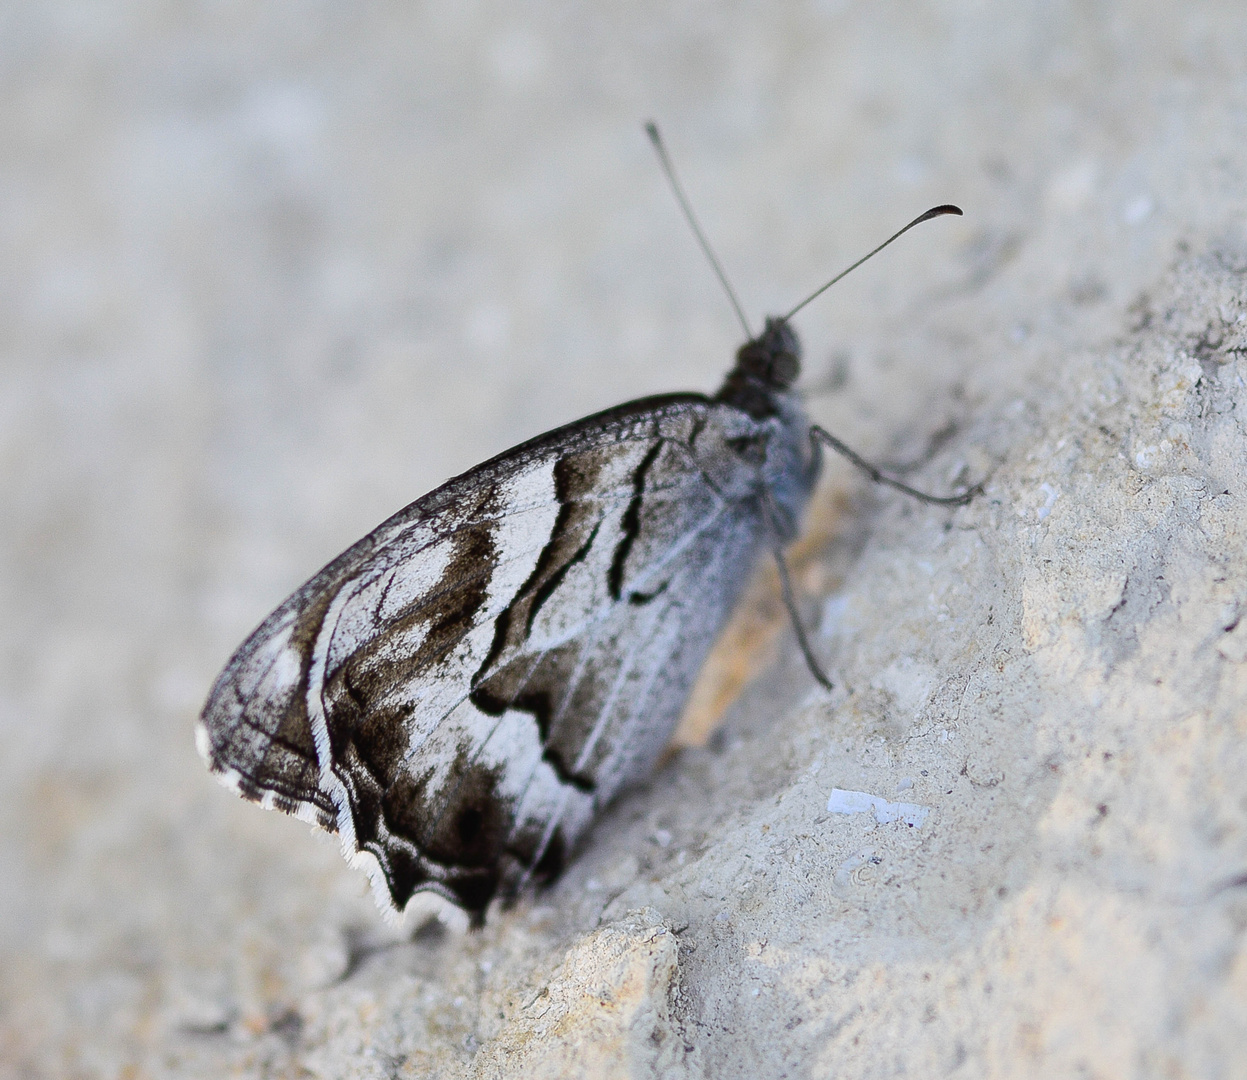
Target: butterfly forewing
460	691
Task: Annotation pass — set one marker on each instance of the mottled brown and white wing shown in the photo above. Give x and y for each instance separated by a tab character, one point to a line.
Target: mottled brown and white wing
460	692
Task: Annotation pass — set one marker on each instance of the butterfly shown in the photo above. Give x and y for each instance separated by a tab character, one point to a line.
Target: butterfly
460	693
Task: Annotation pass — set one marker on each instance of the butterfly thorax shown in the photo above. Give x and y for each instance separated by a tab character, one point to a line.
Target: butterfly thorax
760	386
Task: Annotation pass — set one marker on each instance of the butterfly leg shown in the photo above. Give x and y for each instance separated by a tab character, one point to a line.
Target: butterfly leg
819	434
785	583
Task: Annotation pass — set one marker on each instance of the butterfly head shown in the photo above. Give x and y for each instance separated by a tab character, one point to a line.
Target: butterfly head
765	366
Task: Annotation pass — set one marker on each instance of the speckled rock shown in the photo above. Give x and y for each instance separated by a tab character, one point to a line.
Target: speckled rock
273	270
605	1011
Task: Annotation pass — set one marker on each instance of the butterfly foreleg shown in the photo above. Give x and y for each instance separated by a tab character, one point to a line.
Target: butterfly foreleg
818	434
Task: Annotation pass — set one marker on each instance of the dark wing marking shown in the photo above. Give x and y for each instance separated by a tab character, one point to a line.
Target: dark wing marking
460	691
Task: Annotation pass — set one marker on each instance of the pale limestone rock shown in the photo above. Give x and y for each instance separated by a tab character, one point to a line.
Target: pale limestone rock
272	270
605	1011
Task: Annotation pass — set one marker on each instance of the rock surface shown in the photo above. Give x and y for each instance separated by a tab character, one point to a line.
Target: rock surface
273	270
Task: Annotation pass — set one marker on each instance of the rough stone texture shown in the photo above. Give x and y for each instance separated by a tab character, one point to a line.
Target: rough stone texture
272	270
606	1010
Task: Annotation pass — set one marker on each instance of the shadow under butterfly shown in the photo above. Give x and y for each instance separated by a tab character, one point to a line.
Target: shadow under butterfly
461	692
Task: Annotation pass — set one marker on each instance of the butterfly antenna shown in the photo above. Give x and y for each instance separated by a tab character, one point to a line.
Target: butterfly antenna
935	211
651	129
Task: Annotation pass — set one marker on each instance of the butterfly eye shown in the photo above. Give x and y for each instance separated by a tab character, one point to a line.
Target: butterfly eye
784	370
753	359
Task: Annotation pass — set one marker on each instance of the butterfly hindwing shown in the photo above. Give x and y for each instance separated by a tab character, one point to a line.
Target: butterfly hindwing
463	689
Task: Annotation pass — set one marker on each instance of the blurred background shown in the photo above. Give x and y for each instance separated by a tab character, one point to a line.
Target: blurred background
272	270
